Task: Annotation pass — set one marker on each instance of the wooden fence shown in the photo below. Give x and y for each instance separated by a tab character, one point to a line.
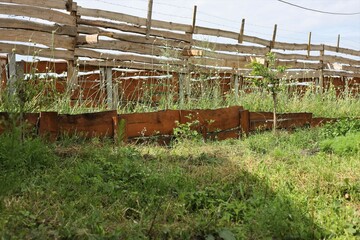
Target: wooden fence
218	124
114	43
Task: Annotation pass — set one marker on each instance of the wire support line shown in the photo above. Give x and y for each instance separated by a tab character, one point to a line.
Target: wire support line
318	11
141	9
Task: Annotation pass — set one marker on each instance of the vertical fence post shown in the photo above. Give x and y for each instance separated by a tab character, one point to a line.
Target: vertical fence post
241	35
338	43
72	71
148	20
11	77
3	74
321	77
109	88
115	96
236	86
272	44
181	88
245	122
194	20
188	87
309	45
347	90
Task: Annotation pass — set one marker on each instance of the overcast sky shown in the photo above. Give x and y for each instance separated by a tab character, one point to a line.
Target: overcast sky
294	24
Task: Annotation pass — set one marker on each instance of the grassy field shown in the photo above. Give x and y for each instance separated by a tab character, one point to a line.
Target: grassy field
300	185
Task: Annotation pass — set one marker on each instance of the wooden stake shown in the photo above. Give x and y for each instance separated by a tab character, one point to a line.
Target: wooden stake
274	37
11	73
181	88
109	88
338	43
72	71
321	78
148	20
245	122
241	35
236	86
69	4
309	44
194	20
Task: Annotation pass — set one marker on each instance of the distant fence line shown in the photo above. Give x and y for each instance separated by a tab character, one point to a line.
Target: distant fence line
217	124
89	39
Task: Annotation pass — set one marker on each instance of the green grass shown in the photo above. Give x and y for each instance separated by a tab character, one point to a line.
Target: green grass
37	97
264	187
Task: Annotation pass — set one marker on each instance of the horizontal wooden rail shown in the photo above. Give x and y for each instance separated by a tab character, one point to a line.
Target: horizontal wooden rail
37	12
59	4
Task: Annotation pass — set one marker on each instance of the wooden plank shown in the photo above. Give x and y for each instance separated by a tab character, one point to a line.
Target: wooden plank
296	46
35	51
245	122
316	122
351	68
47	39
223	135
126	18
262	116
134	38
340	73
216	32
130	65
301	74
298	65
192	52
59	4
225	56
231	47
149	124
296	57
134	48
48	125
338	59
214	120
35	12
3	80
88	124
28	25
124	57
239	63
45	67
131	28
342	50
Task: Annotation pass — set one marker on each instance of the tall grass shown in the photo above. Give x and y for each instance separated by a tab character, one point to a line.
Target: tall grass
35	94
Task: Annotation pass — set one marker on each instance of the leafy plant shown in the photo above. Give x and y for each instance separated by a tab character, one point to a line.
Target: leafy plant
341	127
187	131
270	79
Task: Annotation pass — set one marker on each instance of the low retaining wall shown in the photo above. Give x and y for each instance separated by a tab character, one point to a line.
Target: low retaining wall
220	124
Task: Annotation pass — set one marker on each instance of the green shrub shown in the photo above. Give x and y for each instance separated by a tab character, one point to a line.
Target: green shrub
341	127
349	144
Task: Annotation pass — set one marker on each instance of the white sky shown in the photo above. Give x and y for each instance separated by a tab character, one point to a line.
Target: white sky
294	24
